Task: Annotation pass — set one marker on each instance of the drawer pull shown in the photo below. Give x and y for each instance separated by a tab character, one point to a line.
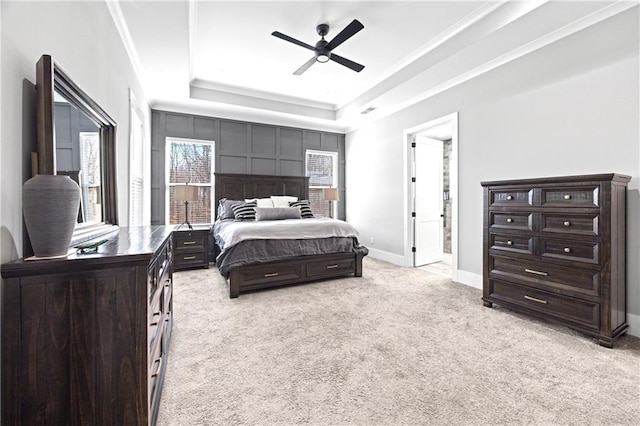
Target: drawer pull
188	258
155	321
509	197
567	250
273	274
509	243
566	223
509	220
157	369
332	266
567	197
533	271
188	243
535	299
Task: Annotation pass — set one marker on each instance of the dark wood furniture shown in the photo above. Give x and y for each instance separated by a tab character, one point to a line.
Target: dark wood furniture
85	339
191	248
51	80
290	271
554	248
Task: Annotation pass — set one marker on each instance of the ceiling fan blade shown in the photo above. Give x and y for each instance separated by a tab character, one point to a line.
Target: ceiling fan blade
343	35
305	67
292	40
346	62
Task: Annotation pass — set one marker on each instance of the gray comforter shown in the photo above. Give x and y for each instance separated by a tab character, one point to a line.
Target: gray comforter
251	242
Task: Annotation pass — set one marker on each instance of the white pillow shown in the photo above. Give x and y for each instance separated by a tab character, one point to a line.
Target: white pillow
262	202
282	200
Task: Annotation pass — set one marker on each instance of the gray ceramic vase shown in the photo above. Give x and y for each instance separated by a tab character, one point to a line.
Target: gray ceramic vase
50	206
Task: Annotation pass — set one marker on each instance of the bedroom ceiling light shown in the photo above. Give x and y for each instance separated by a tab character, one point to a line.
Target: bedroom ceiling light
323	57
322	49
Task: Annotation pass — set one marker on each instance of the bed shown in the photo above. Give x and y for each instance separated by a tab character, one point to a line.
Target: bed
257	261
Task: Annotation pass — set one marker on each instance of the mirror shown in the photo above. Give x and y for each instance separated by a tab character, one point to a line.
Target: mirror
76	137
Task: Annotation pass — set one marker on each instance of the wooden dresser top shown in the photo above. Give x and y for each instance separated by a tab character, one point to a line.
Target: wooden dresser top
135	244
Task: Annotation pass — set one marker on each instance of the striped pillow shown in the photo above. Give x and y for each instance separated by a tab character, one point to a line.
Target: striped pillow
244	211
305	208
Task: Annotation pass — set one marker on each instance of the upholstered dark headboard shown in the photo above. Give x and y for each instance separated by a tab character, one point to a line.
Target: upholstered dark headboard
239	186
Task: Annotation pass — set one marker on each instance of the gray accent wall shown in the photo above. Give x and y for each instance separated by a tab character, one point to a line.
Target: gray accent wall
240	147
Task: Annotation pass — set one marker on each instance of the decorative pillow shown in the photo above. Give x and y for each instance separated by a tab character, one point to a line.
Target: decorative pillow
224	208
277	213
244	211
261	202
305	208
282	200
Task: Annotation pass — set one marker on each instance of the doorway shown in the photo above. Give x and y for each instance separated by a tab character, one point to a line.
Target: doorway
431	196
428	212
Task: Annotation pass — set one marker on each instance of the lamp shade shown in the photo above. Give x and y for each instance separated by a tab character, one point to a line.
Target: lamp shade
186	193
330	194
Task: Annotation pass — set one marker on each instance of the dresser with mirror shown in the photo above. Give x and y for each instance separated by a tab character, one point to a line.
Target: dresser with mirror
85	337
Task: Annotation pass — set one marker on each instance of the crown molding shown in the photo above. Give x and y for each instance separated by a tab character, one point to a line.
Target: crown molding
123	30
565	31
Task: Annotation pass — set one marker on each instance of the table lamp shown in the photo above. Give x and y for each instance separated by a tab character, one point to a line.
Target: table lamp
331	195
186	193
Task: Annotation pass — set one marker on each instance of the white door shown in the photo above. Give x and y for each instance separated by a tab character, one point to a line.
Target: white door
428	232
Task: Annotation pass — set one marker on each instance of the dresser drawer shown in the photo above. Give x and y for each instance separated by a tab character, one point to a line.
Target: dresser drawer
330	267
580	312
156	375
186	240
570	196
586	224
517	221
516	197
186	259
512	243
548	277
577	251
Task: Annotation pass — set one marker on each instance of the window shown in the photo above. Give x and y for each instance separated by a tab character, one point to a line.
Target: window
139	188
189	161
322	169
90	177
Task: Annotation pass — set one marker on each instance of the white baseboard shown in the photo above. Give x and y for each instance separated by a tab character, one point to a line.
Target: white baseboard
634	324
386	256
469	278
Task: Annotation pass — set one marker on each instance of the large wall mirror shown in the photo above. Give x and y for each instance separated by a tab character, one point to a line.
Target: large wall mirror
76	137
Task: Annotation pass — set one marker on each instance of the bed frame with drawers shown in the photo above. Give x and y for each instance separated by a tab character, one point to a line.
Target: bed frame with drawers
283	272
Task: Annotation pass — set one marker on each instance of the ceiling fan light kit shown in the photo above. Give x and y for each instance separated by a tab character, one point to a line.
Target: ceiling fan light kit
322	49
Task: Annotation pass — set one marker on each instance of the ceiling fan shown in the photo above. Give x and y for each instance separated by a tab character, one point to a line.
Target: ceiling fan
323	49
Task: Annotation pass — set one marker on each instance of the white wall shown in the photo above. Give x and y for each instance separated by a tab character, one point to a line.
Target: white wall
570	108
82	39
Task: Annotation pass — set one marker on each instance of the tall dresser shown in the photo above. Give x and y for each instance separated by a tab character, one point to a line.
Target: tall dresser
554	248
85	338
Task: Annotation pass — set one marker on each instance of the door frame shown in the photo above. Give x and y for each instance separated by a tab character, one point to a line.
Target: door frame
452	120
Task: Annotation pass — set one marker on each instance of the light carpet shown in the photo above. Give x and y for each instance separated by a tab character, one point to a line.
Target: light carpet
397	346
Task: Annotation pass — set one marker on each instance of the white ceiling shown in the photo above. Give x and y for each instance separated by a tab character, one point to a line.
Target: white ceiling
219	58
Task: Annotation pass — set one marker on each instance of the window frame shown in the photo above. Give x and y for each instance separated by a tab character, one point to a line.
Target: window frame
167	205
334	184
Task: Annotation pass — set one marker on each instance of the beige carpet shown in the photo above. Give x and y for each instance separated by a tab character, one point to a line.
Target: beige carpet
397	346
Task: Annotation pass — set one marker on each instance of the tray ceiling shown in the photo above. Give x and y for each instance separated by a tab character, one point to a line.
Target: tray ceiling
219	58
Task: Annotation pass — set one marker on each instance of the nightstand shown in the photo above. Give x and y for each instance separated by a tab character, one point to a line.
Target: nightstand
190	248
